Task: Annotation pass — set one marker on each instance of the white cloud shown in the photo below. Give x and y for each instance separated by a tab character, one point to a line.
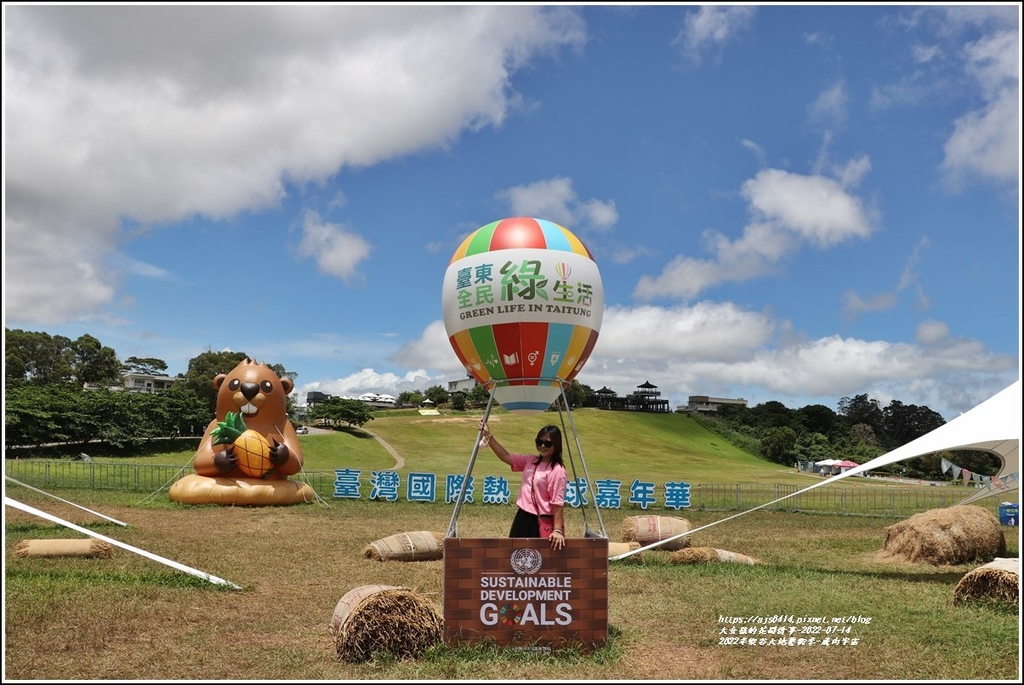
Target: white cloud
721	349
854	304
790	210
986	141
756	149
931	332
829	108
853	172
337	252
706	330
555	199
368	380
710	27
815	208
432	350
139	113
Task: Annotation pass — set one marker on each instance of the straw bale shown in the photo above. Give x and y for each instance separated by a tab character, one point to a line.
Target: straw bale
650	529
953	535
88	547
998	580
372	619
417	545
703	555
617	548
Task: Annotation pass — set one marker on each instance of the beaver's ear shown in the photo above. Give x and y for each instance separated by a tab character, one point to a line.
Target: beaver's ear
218	380
288	385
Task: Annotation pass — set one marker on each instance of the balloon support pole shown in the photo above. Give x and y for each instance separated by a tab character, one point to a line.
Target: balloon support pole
563	404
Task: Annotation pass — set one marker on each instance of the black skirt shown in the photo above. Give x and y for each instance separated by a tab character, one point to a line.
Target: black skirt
524	525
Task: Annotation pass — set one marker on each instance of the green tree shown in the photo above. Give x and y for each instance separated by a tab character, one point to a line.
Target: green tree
459	401
413	397
779	445
202	369
437	395
37	357
29	419
95	363
479	395
813	447
772	415
187	413
906	422
150	366
817	418
862	409
334	409
580	395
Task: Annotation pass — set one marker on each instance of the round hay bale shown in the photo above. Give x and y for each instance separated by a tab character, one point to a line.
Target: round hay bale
417	545
650	529
996	581
953	535
617	548
384	618
703	555
89	547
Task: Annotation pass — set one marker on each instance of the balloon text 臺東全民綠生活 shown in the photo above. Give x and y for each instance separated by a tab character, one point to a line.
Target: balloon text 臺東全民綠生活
523	304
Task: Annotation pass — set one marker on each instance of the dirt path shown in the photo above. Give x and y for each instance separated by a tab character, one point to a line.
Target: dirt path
399	462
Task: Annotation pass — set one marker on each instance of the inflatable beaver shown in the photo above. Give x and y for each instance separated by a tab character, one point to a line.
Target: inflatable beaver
250	448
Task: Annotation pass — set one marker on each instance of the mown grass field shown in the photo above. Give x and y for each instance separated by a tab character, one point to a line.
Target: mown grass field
129	617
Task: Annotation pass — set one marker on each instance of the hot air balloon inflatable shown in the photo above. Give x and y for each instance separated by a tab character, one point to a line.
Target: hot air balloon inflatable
523	303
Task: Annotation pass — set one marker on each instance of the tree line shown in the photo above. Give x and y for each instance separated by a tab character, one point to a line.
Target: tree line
58	390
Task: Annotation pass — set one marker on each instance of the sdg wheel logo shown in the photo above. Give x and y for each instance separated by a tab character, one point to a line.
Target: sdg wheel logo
526	561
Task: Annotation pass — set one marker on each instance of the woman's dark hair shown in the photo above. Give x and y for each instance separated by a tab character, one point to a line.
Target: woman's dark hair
553	434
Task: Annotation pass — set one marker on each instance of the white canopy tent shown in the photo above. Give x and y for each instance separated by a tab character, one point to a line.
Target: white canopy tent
992	426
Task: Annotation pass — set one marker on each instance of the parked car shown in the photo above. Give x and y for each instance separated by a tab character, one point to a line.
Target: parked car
302	430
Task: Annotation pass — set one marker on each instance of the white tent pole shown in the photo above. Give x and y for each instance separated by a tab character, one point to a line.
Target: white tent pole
120	523
149	555
728	518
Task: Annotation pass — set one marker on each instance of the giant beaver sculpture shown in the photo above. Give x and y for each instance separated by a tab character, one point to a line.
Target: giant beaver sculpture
250	448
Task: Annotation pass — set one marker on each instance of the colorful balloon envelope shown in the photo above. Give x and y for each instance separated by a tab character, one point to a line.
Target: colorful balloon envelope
523	304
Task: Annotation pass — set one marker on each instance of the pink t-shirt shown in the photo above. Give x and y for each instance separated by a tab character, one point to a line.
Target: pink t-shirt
543	485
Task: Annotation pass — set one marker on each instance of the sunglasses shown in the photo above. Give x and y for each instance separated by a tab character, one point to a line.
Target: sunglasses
544	443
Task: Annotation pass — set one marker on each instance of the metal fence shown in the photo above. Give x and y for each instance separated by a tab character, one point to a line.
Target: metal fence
832	499
897	502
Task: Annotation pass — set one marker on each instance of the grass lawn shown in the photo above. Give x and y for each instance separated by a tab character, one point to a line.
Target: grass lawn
129	617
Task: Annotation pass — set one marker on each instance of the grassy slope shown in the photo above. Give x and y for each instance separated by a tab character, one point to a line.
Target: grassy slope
622	445
619	445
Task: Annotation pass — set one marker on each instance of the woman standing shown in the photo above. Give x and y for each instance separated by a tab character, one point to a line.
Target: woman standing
542	489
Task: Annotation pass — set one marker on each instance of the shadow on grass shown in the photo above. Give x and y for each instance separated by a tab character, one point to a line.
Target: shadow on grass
354	431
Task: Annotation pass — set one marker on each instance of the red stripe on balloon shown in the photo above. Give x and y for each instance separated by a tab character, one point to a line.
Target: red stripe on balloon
507	338
518	232
533	336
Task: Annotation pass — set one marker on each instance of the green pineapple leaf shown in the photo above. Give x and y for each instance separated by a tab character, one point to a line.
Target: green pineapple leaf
228	430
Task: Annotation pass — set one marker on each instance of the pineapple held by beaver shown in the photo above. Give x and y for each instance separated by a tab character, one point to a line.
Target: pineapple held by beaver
251	450
251	397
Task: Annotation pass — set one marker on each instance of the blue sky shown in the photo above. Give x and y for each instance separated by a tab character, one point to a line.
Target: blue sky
791	203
